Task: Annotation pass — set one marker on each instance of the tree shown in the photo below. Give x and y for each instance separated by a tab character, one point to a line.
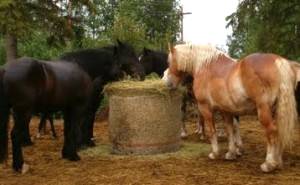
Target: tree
159	20
265	26
46	28
22	17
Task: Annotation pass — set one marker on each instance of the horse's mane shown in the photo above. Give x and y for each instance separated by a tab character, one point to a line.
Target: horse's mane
191	57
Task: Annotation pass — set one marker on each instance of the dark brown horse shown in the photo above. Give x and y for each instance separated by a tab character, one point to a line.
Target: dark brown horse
259	83
29	86
103	65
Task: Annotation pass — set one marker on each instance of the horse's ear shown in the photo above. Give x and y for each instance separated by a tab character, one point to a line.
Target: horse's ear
171	47
146	51
115	50
119	42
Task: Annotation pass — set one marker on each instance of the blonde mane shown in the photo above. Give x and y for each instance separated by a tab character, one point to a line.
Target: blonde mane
190	58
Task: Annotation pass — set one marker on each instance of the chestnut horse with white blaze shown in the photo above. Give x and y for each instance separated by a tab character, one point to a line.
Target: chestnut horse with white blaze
259	83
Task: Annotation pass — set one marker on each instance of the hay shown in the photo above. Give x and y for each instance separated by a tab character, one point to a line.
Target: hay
136	88
188	150
144	117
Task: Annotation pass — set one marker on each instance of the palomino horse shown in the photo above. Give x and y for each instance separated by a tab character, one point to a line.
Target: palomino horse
262	83
157	62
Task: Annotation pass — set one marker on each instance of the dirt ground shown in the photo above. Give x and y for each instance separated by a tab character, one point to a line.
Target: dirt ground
190	165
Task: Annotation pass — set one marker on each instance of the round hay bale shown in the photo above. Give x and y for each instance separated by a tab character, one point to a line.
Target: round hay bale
144	117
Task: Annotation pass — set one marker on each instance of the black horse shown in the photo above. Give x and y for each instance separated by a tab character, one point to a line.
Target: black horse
103	65
28	86
154	61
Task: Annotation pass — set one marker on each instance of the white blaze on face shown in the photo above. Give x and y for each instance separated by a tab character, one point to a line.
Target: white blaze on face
165	77
169	79
140	58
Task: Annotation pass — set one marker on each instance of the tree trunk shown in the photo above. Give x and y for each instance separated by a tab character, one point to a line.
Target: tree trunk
11	47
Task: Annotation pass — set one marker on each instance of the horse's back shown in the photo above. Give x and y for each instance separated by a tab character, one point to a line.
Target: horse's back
72	76
30	82
92	61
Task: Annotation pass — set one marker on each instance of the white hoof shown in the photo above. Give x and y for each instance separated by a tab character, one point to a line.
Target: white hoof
25	168
268	167
38	135
202	137
230	156
213	156
239	152
221	133
198	131
183	135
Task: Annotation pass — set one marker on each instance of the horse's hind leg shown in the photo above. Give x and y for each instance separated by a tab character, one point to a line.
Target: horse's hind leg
26	140
274	150
50	117
42	125
237	136
231	154
212	134
200	127
20	118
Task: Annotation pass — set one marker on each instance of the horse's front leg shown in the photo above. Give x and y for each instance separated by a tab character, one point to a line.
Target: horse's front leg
274	149
17	134
207	114
87	127
71	133
200	127
183	133
231	154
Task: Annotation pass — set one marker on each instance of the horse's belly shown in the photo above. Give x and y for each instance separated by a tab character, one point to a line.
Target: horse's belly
232	98
240	100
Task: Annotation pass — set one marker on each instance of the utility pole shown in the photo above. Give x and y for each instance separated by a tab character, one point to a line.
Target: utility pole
181	22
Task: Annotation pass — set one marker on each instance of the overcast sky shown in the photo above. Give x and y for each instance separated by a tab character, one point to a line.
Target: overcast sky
206	24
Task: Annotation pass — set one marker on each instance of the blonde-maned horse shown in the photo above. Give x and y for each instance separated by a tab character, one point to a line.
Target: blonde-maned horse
259	83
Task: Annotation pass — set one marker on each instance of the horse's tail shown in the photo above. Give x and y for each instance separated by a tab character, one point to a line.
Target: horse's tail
286	113
4	117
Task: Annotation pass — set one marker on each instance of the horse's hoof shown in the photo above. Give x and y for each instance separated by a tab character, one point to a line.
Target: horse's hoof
25	168
27	143
38	135
91	143
74	157
239	152
213	156
198	131
230	156
268	167
183	135
221	133
202	137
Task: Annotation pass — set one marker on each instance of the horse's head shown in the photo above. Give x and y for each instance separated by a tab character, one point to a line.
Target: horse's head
127	60
172	76
146	60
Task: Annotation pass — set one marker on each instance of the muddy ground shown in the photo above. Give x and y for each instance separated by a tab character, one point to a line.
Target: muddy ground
188	166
